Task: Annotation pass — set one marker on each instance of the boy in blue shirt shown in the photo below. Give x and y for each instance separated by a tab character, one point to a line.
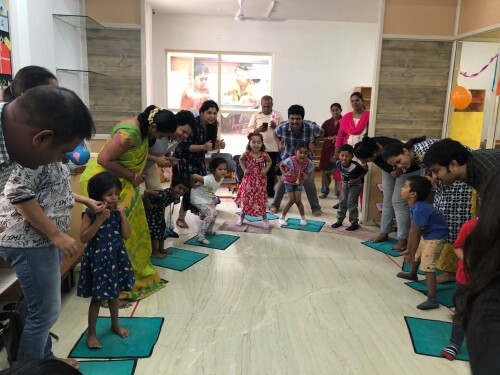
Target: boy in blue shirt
429	223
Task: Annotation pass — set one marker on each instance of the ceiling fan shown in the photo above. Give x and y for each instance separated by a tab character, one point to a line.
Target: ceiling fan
240	16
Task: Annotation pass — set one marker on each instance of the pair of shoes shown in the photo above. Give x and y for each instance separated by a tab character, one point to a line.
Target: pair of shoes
203	240
429	304
337	224
336	206
352	227
317	213
407	276
450	352
181	223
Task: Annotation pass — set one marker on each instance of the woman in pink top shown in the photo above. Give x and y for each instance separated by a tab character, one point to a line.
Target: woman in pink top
353	125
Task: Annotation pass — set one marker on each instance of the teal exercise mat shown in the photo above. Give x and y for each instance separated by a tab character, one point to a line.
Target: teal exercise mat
384	247
143	334
251	219
407	267
217	241
179	260
429	337
444	292
312	225
118	367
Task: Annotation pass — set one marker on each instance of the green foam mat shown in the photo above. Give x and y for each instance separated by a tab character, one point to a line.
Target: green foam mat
251	219
444	292
179	260
384	247
407	267
429	337
143	334
118	367
312	225
217	241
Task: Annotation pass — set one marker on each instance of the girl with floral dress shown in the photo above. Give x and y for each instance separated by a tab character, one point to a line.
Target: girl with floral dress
252	193
106	270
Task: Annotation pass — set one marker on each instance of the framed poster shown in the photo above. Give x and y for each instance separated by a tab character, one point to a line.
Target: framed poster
5	44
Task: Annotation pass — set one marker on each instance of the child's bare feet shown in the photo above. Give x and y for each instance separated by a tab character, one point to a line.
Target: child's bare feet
380	238
265	224
92	341
120	331
282	222
157	254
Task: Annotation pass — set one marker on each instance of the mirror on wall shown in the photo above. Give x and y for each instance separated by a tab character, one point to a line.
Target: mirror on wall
476	68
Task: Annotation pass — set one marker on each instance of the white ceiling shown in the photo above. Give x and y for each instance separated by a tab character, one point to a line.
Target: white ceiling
312	10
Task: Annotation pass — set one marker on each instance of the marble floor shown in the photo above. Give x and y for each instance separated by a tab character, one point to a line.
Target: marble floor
291	302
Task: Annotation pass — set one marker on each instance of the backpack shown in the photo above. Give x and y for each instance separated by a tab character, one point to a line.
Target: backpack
12	331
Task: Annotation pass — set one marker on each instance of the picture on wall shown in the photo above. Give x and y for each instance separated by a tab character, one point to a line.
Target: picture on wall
5	45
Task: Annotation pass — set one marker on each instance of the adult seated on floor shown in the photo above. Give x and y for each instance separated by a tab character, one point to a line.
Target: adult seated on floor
289	134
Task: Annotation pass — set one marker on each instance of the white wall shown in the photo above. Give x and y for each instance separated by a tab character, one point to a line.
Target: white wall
38	39
315	63
474	56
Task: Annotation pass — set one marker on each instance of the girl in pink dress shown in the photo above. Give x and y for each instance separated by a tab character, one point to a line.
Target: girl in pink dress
252	193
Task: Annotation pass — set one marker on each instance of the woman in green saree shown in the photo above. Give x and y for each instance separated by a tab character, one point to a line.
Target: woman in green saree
125	154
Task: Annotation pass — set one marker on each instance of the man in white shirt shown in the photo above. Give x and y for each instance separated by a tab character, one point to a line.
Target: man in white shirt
257	124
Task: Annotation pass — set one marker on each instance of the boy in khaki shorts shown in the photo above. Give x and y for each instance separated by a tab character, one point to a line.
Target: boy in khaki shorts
430	224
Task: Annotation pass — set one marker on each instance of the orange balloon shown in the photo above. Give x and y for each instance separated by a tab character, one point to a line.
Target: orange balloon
461	97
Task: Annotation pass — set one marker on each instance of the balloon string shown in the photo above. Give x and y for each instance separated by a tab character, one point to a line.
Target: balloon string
469	75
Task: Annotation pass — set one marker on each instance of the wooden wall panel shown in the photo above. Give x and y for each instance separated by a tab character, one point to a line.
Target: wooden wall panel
116	53
478	14
114	11
412	88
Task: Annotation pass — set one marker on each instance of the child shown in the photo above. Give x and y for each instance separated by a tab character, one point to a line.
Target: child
352	184
252	193
106	269
431	224
457	331
155	203
203	196
295	170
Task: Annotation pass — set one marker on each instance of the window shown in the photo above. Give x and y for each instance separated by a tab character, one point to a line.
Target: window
235	81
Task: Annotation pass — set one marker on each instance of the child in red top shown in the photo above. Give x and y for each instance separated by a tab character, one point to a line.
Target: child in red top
457	332
295	170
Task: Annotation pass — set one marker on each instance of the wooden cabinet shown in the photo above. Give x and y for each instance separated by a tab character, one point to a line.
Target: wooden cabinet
367	95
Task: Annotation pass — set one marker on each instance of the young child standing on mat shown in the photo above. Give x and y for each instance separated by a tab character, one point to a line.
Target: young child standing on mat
295	170
155	203
252	193
352	185
457	331
106	268
203	196
430	223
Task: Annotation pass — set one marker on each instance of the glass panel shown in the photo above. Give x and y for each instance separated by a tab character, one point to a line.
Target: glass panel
244	80
192	78
82	22
234	129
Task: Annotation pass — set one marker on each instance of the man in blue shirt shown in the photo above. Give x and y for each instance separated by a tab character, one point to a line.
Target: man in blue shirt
288	134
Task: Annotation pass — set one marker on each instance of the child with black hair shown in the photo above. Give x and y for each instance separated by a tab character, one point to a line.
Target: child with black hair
155	203
252	193
431	224
203	196
106	270
295	170
352	183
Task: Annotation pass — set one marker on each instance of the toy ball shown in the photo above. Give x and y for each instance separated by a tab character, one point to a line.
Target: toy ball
79	156
461	97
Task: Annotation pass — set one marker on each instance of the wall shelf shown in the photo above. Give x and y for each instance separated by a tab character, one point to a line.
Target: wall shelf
77	71
83	22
